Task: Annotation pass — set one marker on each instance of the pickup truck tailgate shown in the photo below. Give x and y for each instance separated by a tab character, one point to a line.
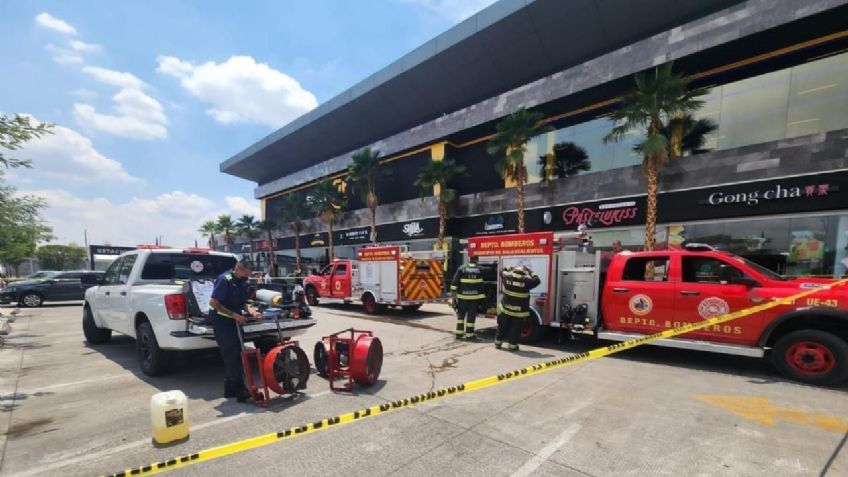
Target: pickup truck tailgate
288	327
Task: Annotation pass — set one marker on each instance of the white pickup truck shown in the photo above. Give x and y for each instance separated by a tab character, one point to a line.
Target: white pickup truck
159	296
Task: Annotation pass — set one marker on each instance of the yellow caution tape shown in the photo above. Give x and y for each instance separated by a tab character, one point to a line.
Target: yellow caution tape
266	439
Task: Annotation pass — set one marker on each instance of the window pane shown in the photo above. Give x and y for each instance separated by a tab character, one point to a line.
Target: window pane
754	110
818	98
646	269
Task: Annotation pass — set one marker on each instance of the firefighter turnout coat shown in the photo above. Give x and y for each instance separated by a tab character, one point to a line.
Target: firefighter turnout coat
468	283
517	283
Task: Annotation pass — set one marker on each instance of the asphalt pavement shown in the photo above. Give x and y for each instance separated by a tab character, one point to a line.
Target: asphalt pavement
73	409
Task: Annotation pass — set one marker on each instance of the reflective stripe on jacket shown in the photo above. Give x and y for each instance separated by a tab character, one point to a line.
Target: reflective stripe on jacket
468	283
515	301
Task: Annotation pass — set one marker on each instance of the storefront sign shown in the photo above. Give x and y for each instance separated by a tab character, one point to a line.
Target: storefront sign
107	250
539	243
377	254
594	215
353	236
494	223
413	229
814	192
263	244
318	240
497	224
604	214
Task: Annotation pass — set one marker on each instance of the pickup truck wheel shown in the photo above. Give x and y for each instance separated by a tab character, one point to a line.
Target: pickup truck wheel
93	334
812	356
31	300
531	330
153	359
311	296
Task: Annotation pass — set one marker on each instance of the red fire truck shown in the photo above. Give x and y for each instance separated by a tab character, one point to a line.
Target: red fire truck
380	277
628	295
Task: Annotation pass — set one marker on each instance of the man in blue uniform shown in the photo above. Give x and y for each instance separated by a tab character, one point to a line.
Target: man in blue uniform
228	307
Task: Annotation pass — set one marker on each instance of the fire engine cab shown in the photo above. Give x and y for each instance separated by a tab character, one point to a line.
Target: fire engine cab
381	277
631	294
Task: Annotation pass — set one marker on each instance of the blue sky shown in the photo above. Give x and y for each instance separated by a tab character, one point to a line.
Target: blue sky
150	96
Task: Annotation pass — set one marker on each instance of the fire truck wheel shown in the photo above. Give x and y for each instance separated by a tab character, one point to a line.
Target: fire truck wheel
319	358
532	331
812	356
410	308
311	296
371	306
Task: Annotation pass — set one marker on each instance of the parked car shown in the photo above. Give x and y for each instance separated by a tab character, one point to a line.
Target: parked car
50	286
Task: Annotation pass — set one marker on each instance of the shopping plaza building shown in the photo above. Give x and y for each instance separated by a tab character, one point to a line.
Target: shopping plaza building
772	184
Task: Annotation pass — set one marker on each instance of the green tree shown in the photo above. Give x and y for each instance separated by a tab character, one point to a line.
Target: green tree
437	175
509	144
211	228
60	257
226	226
568	159
327	202
292	212
660	97
362	175
268	226
14	132
20	226
246	227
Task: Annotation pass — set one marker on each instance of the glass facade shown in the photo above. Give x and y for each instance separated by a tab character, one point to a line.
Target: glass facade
805	99
791	246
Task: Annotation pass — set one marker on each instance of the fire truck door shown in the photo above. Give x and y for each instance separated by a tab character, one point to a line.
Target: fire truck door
340	281
642	299
388	281
704	292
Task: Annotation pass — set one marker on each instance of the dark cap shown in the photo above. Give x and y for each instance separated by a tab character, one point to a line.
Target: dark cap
245	263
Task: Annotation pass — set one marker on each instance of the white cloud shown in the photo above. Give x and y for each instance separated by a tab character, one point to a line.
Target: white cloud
114	78
84	93
50	22
84	47
455	10
63	56
138	116
242	90
71	156
241	206
175	215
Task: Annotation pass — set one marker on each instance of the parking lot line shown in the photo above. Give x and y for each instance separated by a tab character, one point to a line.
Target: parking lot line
537	460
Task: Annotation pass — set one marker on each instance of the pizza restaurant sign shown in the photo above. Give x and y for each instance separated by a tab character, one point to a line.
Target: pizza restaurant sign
776	192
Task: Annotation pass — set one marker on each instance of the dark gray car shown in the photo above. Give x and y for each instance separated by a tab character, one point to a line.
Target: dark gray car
54	286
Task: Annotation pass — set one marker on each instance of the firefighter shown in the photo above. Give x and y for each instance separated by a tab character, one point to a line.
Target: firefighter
228	305
514	307
467	291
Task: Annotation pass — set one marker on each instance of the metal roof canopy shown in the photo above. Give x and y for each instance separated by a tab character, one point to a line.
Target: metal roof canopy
506	45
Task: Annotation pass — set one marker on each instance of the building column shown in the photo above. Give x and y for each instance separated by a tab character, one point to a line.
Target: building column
437	153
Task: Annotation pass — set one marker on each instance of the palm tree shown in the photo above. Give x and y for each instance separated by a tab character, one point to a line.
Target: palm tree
510	143
327	202
269	226
568	160
246	227
439	173
211	228
226	226
659	98
362	174
291	214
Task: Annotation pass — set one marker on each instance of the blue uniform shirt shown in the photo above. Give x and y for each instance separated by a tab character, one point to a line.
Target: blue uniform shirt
230	291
